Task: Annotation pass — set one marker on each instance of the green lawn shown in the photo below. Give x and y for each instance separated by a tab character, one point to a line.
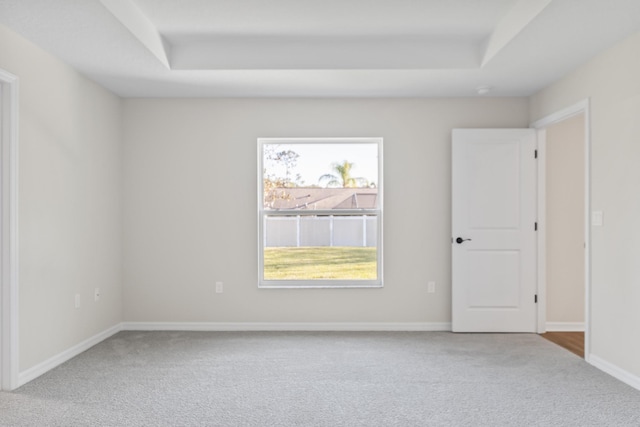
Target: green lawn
347	263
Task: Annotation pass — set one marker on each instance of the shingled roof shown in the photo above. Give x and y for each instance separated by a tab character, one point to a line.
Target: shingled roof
325	198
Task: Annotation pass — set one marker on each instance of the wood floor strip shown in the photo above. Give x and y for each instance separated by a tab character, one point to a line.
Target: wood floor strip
572	341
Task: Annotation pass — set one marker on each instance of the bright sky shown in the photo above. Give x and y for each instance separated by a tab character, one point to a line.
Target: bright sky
315	160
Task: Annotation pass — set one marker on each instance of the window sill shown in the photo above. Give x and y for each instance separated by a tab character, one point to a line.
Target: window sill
321	285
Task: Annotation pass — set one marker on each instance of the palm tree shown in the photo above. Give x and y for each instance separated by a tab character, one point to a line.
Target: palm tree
343	176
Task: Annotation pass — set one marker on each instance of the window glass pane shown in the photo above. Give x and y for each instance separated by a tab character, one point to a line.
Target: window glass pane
320	176
320	247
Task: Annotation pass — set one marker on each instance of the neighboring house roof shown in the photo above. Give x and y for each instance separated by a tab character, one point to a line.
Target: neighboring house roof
325	198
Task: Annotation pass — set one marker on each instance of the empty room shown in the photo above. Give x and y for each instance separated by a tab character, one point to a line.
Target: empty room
319	213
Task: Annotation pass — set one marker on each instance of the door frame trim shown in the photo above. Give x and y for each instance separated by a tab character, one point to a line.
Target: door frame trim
9	232
582	107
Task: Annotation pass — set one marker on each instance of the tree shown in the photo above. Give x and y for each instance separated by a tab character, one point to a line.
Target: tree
274	189
343	177
274	184
288	159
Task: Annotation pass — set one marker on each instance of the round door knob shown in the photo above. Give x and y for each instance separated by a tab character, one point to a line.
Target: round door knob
460	240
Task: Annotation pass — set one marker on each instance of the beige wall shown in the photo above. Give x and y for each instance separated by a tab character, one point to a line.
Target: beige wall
611	82
565	200
191	213
69	202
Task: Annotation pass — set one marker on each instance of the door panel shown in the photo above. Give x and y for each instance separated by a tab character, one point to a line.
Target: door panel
495	272
493	202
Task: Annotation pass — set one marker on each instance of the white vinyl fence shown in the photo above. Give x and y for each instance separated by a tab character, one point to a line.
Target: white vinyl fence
295	231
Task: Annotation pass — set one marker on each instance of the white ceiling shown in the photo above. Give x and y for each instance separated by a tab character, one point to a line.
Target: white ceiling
322	48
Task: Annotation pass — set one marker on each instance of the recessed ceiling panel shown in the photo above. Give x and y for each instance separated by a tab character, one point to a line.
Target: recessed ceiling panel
325	53
325	17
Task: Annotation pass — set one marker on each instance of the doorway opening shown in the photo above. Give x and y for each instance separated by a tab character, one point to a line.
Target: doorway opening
564	227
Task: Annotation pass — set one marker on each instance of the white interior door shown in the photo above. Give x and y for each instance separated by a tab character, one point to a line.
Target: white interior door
494	226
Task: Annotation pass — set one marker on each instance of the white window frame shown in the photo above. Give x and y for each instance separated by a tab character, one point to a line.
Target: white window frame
263	213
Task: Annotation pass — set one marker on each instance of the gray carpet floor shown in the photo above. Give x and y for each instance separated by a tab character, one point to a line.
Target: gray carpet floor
323	379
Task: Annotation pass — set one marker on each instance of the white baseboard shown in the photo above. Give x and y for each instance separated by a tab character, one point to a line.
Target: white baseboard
564	326
44	367
615	371
284	326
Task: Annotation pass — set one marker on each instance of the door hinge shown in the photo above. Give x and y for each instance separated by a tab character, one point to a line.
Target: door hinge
535	226
535	154
535	298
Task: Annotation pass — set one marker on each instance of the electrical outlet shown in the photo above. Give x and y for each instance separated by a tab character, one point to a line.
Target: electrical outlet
431	287
96	295
219	287
77	301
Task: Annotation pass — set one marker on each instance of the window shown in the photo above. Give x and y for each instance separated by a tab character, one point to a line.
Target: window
320	212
